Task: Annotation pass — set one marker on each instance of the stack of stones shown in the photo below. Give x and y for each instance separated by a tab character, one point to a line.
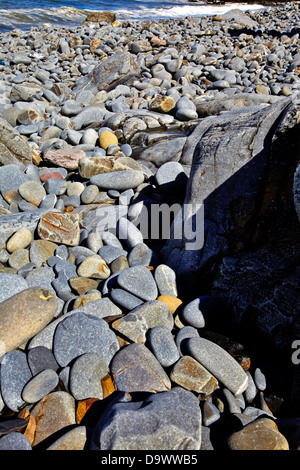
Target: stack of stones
95	336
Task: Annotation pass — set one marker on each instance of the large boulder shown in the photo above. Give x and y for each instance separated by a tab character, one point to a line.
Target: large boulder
243	171
119	68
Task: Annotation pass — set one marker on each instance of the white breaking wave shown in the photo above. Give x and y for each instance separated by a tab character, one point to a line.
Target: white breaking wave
67	15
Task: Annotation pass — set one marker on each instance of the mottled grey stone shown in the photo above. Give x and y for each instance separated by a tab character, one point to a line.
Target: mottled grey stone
163	345
41	358
125	299
80	333
40	385
119	180
14	375
14	441
85	376
165	279
139	281
219	363
192	315
136	369
150	424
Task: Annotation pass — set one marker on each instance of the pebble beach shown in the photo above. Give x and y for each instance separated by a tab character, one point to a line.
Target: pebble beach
101	348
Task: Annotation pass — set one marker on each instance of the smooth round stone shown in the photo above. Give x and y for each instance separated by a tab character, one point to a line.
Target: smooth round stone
111	239
41	358
260	379
14	375
20	239
11	284
48	202
170	177
107	138
26	206
183	335
186	114
85	376
192	315
19	258
128	232
261	434
94	241
95	267
163	346
32	192
89	194
40	385
124	299
84	299
219	363
118	264
156	313
119	180
165	279
11	178
81	333
141	254
136	369
14	441
139	281
251	390
24	314
75	188
90	136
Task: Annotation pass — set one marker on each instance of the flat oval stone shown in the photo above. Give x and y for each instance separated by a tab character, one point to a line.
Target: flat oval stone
219	363
20	239
192	314
136	369
85	376
125	299
14	441
23	315
128	232
14	375
32	191
191	375
163	345
119	180
81	333
139	281
40	385
165	279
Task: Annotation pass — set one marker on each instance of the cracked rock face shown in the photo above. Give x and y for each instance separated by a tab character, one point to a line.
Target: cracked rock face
243	171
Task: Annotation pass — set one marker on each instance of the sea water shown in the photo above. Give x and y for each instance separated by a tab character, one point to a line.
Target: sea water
24	14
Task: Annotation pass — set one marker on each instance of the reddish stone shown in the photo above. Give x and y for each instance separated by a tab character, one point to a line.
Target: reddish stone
55	175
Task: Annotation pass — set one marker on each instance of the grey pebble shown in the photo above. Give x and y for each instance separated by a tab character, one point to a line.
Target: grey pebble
124	299
41	358
163	345
11	284
139	281
192	315
80	333
40	385
86	374
14	441
14	375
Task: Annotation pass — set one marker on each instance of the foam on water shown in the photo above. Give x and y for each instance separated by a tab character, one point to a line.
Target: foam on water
24	18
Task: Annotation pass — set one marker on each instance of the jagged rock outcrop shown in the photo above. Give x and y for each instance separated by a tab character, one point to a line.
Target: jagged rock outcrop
243	172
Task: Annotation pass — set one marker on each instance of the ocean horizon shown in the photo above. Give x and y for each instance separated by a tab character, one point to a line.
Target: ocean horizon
20	14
